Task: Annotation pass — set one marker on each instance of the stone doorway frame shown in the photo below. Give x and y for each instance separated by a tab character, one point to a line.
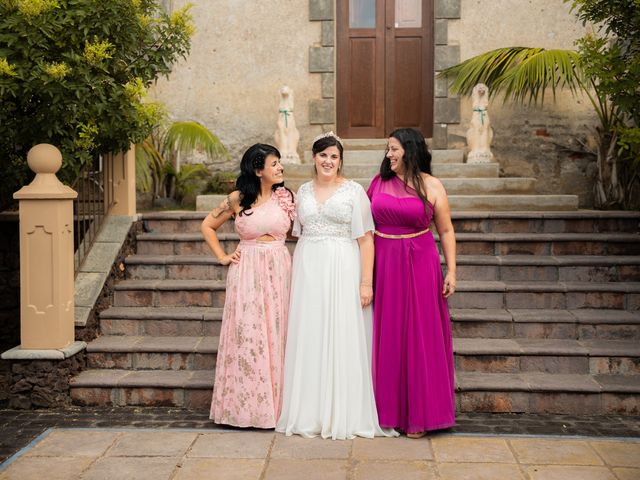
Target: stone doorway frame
322	60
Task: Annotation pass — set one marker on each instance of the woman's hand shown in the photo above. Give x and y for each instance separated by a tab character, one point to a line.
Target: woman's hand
231	258
449	285
366	295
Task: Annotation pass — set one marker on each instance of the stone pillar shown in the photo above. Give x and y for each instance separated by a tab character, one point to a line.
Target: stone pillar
124	183
46	254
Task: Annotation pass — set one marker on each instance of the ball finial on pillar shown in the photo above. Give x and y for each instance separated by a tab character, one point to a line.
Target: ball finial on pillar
44	158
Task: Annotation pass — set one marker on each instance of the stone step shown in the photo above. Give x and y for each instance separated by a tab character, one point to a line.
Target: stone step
169	293
365	171
364	144
581	221
547	295
529	392
373	153
556	244
595	357
470	294
459	186
581	268
458	201
153	352
580	324
177	321
169	388
513	202
543	393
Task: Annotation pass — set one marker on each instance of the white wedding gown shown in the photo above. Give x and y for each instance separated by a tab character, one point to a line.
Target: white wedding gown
328	389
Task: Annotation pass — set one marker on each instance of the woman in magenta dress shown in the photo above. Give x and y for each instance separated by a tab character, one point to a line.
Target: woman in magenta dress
249	369
412	353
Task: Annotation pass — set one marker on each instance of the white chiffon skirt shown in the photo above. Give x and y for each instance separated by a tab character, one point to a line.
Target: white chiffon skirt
328	389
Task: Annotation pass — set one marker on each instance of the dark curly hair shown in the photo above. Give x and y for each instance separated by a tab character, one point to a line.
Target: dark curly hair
325	142
417	159
248	183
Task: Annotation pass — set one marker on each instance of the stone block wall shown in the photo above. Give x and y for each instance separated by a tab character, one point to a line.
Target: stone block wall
9	294
242	53
535	142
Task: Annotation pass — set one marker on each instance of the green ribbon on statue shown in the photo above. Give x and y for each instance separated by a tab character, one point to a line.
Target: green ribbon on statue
286	113
482	111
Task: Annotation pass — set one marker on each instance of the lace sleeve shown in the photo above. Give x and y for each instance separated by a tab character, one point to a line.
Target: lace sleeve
361	218
296	231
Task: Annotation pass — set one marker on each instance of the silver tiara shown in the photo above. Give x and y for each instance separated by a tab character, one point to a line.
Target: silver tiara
328	134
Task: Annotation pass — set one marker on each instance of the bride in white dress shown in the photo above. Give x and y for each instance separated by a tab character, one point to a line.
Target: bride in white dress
328	389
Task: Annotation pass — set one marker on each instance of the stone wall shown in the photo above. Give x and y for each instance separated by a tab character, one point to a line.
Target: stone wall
9	294
9	280
536	142
242	53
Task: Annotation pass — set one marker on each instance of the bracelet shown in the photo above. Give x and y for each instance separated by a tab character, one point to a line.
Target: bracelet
366	284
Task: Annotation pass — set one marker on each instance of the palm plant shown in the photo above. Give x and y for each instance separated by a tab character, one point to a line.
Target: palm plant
158	168
523	74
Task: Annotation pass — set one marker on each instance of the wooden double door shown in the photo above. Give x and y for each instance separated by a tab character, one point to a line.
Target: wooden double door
385	72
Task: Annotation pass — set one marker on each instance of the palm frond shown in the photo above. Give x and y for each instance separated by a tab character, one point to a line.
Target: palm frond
539	70
518	73
184	137
149	166
146	158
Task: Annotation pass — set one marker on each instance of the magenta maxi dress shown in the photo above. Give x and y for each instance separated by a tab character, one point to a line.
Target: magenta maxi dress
412	367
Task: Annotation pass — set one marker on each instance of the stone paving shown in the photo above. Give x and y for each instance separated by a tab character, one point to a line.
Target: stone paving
182	454
175	443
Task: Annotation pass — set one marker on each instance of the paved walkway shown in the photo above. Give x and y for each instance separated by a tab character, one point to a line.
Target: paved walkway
181	454
19	427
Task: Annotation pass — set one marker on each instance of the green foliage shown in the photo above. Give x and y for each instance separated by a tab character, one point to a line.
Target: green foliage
605	68
222	182
189	180
74	73
158	169
521	74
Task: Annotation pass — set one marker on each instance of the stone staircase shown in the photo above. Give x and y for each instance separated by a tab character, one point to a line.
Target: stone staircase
546	318
469	186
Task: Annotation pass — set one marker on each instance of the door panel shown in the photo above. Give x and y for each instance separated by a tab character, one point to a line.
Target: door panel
406	105
360	81
384	68
363	62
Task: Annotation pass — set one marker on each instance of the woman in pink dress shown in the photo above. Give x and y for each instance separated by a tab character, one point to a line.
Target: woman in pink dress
249	367
412	353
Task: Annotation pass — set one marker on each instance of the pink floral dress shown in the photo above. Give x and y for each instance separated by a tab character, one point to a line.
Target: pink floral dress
249	368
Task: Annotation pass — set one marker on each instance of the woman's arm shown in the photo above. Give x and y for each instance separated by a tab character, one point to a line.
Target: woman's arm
215	220
444	226
366	261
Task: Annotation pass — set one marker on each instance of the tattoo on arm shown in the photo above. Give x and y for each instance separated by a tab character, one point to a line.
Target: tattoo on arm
224	207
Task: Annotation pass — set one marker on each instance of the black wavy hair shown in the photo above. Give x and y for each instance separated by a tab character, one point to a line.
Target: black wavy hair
417	159
248	183
325	142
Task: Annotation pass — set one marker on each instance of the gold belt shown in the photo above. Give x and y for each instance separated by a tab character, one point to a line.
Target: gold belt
406	235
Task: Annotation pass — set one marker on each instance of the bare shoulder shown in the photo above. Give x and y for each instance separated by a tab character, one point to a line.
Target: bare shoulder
432	183
234	197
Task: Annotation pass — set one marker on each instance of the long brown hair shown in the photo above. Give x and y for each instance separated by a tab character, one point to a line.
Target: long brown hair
417	160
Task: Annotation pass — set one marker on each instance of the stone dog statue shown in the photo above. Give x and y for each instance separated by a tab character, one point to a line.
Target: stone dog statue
480	133
287	135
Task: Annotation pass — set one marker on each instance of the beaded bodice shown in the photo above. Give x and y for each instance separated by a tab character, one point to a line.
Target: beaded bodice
330	219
